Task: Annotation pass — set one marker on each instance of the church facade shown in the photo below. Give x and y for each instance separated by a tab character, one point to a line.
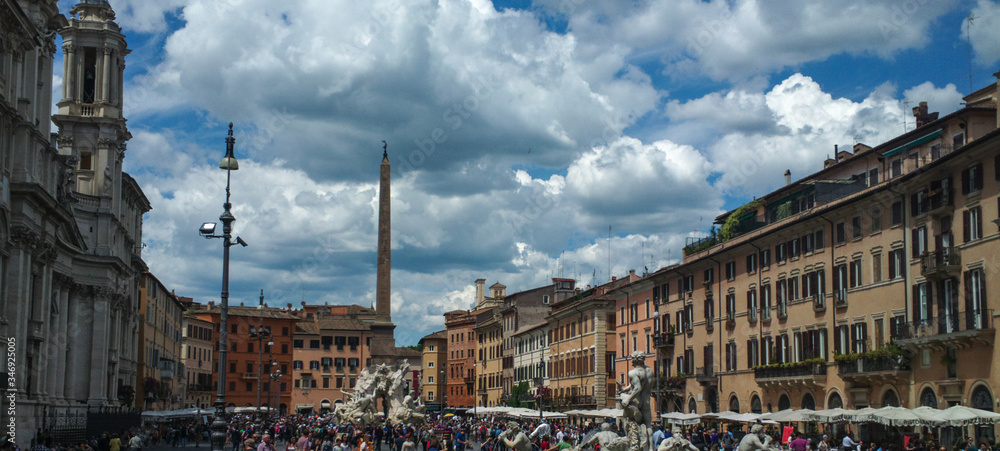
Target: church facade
71	222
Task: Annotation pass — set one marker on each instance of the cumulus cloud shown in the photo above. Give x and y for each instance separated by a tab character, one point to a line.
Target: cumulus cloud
944	100
737	40
986	20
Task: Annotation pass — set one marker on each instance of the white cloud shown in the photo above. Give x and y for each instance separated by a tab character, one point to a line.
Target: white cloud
985	23
944	100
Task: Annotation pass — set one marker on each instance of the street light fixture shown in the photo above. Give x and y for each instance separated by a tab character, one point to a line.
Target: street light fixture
207	230
260	334
541	386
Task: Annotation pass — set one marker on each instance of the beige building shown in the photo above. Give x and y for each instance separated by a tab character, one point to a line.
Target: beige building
160	383
863	284
582	349
198	345
489	357
531	351
434	373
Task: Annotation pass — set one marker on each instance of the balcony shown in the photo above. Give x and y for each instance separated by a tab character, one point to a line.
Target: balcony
326	369
941	264
794	374
248	376
706	376
818	301
960	330
840	297
782	309
662	340
569	402
867	370
469	380
673	384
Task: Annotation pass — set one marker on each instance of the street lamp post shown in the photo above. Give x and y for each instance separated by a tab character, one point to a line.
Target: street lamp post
541	386
475	397
275	377
656	364
229	164
260	334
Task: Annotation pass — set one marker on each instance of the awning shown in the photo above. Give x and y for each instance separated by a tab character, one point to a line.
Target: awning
324	405
912	144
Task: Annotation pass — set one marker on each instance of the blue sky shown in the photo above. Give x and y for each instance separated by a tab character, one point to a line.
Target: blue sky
519	131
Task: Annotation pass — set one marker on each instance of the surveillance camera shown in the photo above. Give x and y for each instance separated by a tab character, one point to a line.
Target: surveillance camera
241	242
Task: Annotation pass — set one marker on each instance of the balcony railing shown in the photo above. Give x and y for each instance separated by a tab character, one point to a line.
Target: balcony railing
194	387
782	309
469	380
770	372
705	374
662	340
840	297
249	376
819	301
971	320
942	262
873	364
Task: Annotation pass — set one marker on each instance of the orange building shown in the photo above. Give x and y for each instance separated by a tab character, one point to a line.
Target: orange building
331	346
244	354
461	374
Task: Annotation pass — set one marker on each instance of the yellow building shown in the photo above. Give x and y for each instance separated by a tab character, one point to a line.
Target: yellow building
198	344
433	375
489	357
863	284
160	380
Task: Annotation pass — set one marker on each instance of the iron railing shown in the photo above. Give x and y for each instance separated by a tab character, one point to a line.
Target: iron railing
980	319
940	261
873	364
768	372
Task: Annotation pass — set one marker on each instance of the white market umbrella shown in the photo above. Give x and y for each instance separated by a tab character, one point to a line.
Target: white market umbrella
682	418
837	415
897	416
962	415
789	415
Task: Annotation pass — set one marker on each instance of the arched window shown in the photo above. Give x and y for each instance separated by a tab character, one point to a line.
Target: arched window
692	406
734	404
890	398
982	399
755	405
784	403
835	402
928	398
808	402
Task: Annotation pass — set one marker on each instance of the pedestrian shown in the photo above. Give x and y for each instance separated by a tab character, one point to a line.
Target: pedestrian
135	443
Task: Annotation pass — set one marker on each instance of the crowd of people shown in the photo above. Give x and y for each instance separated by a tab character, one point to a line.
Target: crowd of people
448	433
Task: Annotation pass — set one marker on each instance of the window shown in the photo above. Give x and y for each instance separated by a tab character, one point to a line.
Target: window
730	270
752	304
897	167
709	275
957	140
840	281
753	353
284	348
793	247
972	224
807	243
232	367
545	299
876	268
897	213
841	233
731	356
297	344
855	273
86	163
975	299
313	344
895	263
284	331
972	179
765	258
819	239
232	346
751	263
779	253
873	177
921	304
856	231
689	284
709	313
234	329
765	302
781	287
250	346
919	244
430	396
859	337
430	379
876	223
296	364
731	306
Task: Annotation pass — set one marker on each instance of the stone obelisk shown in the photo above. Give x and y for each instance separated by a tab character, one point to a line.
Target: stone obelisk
383	347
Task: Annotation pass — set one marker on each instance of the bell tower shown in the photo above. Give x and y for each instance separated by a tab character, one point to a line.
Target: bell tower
92	128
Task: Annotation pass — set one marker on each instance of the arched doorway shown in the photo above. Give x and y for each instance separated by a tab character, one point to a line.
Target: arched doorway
928	398
734	404
983	399
784	403
692	406
808	402
712	398
835	401
890	398
755	405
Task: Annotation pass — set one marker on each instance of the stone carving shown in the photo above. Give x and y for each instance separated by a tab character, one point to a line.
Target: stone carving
520	441
24	237
608	440
389	386
755	440
635	404
677	442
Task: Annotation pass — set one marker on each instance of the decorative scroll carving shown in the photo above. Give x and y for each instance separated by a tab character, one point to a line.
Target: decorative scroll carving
24	237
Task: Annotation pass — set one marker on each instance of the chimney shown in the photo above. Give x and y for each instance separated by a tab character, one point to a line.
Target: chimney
788	177
631	273
480	291
922	116
289	306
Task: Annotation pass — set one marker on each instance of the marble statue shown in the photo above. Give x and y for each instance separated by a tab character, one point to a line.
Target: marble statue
752	441
388	385
635	404
520	442
676	442
608	440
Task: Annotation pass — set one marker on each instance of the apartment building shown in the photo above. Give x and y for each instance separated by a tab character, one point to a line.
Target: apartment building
198	347
160	379
434	373
582	349
489	358
462	346
251	357
863	284
530	348
527	310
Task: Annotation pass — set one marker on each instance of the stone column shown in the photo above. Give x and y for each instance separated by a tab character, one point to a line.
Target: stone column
62	352
67	63
98	350
105	84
